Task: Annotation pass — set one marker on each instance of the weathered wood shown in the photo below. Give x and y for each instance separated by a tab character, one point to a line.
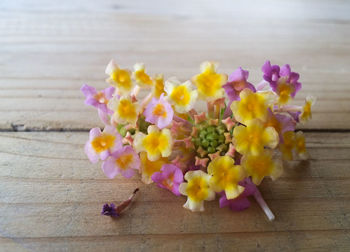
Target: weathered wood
46	182
49	50
51	196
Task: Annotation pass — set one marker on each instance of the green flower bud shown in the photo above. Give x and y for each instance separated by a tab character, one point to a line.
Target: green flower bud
205	143
214	143
211	149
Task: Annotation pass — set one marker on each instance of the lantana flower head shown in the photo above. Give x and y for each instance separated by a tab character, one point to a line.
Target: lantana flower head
261	166
252	105
237	81
120	78
123	161
227	149
125	110
226	176
159	112
98	99
197	189
209	83
181	95
101	144
157	143
169	177
253	138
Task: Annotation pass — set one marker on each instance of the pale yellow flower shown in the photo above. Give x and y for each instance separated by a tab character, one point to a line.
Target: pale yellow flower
120	78
180	95
209	83
197	189
261	166
156	143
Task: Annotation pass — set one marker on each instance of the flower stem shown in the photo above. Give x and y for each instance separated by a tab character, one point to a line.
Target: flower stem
258	197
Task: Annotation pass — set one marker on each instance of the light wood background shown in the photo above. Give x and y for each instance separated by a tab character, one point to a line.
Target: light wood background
51	196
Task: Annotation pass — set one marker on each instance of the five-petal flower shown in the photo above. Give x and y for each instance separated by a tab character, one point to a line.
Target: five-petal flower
101	144
197	189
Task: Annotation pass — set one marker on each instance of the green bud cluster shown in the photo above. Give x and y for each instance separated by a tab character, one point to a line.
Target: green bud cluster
142	124
211	138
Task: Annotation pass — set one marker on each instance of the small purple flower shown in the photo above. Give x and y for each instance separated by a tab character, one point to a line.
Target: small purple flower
241	202
237	81
169	177
295	115
98	99
123	161
159	112
271	73
101	144
109	210
282	80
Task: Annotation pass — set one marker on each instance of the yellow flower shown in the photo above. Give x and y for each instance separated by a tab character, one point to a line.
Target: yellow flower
254	137
125	111
157	143
288	145
225	176
148	167
306	111
284	90
300	147
180	95
140	76
261	166
209	83
120	78
252	105
197	189
158	87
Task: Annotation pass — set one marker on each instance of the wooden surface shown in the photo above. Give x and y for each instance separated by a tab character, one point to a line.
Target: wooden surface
50	195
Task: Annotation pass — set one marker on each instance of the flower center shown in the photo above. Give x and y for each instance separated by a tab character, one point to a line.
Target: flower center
101	98
103	142
143	77
126	109
122	77
181	95
159	110
124	161
197	189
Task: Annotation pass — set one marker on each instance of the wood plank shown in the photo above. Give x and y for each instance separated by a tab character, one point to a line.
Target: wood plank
266	241
47	183
49	51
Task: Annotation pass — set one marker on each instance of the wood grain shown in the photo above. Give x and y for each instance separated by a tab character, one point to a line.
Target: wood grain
48	50
50	199
51	196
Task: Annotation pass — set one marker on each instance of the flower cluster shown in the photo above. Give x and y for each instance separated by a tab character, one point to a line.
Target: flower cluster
226	151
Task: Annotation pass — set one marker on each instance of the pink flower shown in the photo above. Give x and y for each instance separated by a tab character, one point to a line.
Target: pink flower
237	81
241	202
169	177
123	161
281	122
159	112
102	144
98	99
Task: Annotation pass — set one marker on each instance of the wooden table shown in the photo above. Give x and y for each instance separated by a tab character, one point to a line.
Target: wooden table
51	196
